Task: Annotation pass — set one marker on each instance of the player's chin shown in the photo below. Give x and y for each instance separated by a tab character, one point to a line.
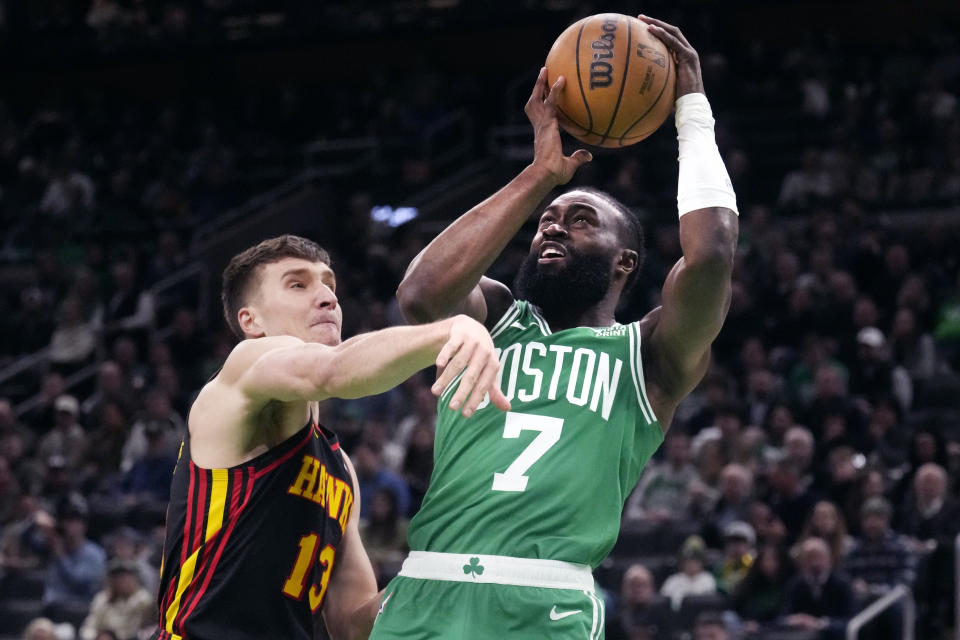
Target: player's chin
326	333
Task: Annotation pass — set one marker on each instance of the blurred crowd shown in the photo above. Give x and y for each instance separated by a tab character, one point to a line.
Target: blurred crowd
814	470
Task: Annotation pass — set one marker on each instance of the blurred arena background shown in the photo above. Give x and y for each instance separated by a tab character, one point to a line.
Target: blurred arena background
143	142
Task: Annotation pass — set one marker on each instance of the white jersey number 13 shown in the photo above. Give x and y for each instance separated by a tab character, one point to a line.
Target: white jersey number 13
513	479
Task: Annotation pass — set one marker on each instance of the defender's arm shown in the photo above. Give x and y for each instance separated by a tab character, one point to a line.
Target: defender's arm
287	369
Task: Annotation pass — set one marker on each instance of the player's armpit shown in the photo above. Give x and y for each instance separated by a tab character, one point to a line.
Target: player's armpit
352	600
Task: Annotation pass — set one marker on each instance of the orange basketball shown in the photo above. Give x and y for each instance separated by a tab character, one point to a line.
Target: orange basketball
620	80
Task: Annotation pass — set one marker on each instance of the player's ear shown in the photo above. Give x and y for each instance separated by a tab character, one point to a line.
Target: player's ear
249	322
627	262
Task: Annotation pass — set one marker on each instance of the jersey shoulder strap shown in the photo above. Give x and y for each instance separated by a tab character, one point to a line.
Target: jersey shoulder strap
636	372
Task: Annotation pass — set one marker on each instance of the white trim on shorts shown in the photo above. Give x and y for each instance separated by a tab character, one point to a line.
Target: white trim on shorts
521	572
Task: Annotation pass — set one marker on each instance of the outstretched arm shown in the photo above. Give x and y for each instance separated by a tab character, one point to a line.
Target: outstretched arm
696	294
286	369
447	277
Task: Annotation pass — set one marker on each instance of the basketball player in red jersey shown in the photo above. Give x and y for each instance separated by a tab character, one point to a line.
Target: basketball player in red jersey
262	523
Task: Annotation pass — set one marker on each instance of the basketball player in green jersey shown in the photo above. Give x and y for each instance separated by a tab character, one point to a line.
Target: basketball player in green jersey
523	505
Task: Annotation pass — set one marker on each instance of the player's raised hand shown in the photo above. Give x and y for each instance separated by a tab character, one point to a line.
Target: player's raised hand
689	79
469	349
541	110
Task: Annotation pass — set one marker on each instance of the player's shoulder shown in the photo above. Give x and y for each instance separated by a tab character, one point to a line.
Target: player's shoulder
247	352
647	325
498	300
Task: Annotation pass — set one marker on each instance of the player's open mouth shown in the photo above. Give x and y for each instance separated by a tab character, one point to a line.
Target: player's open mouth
551	252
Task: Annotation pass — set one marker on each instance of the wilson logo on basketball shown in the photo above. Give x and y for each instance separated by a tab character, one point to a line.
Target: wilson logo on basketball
601	71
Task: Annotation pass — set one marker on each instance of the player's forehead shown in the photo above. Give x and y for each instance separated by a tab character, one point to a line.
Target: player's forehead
583	200
291	266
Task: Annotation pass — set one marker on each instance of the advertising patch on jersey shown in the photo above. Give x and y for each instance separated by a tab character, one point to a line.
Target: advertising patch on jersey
610	332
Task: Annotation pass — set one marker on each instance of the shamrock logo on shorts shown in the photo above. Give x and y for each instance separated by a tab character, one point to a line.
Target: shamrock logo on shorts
474	567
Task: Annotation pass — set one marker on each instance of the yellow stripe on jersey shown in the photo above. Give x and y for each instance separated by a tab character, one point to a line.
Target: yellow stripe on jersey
218	497
186	577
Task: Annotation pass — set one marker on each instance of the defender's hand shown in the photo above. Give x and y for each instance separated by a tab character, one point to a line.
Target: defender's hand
541	110
689	79
469	349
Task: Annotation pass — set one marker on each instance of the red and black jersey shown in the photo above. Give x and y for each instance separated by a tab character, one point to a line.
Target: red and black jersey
249	550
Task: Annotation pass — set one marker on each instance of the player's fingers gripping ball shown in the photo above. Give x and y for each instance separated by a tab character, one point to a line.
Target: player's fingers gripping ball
620	80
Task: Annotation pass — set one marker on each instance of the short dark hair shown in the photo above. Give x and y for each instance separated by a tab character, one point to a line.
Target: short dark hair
631	231
244	267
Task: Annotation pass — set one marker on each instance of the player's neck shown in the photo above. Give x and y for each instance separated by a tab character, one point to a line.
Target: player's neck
600	315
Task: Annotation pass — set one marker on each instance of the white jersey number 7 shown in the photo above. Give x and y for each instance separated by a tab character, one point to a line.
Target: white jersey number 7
513	479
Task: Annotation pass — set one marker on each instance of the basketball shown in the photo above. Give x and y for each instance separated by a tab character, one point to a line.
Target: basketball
620	80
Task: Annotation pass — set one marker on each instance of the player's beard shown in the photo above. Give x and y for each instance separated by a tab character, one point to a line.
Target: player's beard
581	283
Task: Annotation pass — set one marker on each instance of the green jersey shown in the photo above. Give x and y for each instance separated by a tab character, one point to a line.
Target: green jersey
548	479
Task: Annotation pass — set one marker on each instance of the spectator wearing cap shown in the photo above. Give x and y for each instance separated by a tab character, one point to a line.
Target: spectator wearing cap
663	494
66	438
880	558
739	540
818	599
123	607
639	614
873	376
693	578
77	564
57	480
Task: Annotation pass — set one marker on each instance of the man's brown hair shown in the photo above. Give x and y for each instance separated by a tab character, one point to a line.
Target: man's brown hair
244	267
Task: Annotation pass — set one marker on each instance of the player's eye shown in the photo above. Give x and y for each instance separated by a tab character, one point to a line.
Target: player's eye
297	285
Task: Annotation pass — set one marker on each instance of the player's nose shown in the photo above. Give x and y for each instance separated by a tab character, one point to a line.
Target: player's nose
325	298
555	229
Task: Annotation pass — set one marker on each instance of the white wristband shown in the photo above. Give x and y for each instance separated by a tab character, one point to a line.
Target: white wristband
703	180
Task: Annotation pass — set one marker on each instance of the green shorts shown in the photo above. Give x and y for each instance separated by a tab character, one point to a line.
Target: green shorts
464	597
